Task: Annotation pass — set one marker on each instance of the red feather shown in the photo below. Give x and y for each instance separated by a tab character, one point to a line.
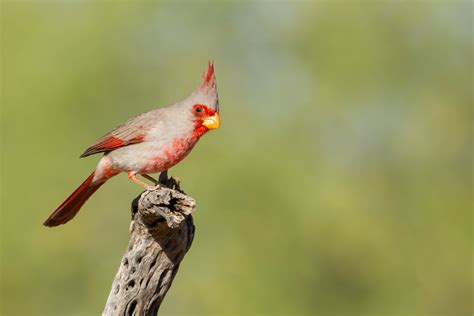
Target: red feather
69	208
132	132
109	143
209	77
210	72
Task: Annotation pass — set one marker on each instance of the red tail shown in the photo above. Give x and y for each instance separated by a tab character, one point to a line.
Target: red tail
69	208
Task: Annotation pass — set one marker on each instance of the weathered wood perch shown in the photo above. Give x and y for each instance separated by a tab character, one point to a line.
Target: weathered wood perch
162	231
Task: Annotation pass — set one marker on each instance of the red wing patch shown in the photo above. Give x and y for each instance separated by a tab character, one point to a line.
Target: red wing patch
109	143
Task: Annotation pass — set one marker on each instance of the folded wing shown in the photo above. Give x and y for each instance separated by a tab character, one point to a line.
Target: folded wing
132	132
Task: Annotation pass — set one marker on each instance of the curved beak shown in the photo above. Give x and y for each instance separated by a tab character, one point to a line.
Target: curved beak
212	122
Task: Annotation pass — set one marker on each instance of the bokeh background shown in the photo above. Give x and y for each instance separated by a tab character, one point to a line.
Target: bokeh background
340	182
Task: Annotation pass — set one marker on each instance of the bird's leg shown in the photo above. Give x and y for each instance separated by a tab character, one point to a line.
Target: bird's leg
162	180
148	177
133	176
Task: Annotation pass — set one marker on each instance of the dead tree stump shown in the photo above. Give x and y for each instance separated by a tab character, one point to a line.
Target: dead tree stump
162	231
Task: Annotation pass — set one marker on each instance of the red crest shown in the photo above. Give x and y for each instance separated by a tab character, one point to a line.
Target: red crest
209	78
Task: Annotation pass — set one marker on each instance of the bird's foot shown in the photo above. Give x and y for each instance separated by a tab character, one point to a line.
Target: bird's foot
163	181
152	187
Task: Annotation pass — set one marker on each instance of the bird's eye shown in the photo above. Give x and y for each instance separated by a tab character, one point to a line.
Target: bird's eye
198	109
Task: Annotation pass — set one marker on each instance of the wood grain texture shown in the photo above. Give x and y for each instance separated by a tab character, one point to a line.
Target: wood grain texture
162	231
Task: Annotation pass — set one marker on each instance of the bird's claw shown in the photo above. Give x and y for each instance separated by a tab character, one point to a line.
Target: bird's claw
163	181
152	187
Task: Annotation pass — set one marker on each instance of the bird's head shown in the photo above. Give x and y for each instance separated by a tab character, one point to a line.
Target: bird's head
205	102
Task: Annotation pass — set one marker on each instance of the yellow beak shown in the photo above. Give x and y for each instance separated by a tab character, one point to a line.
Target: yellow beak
212	122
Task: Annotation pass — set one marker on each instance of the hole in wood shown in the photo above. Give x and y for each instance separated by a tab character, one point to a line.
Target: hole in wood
130	285
131	310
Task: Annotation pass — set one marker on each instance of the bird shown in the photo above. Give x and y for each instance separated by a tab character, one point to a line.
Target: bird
149	143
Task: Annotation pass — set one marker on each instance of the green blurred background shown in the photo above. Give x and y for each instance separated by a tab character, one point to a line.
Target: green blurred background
340	182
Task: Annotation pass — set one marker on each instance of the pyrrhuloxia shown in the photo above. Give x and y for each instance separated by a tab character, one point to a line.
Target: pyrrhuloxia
148	143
